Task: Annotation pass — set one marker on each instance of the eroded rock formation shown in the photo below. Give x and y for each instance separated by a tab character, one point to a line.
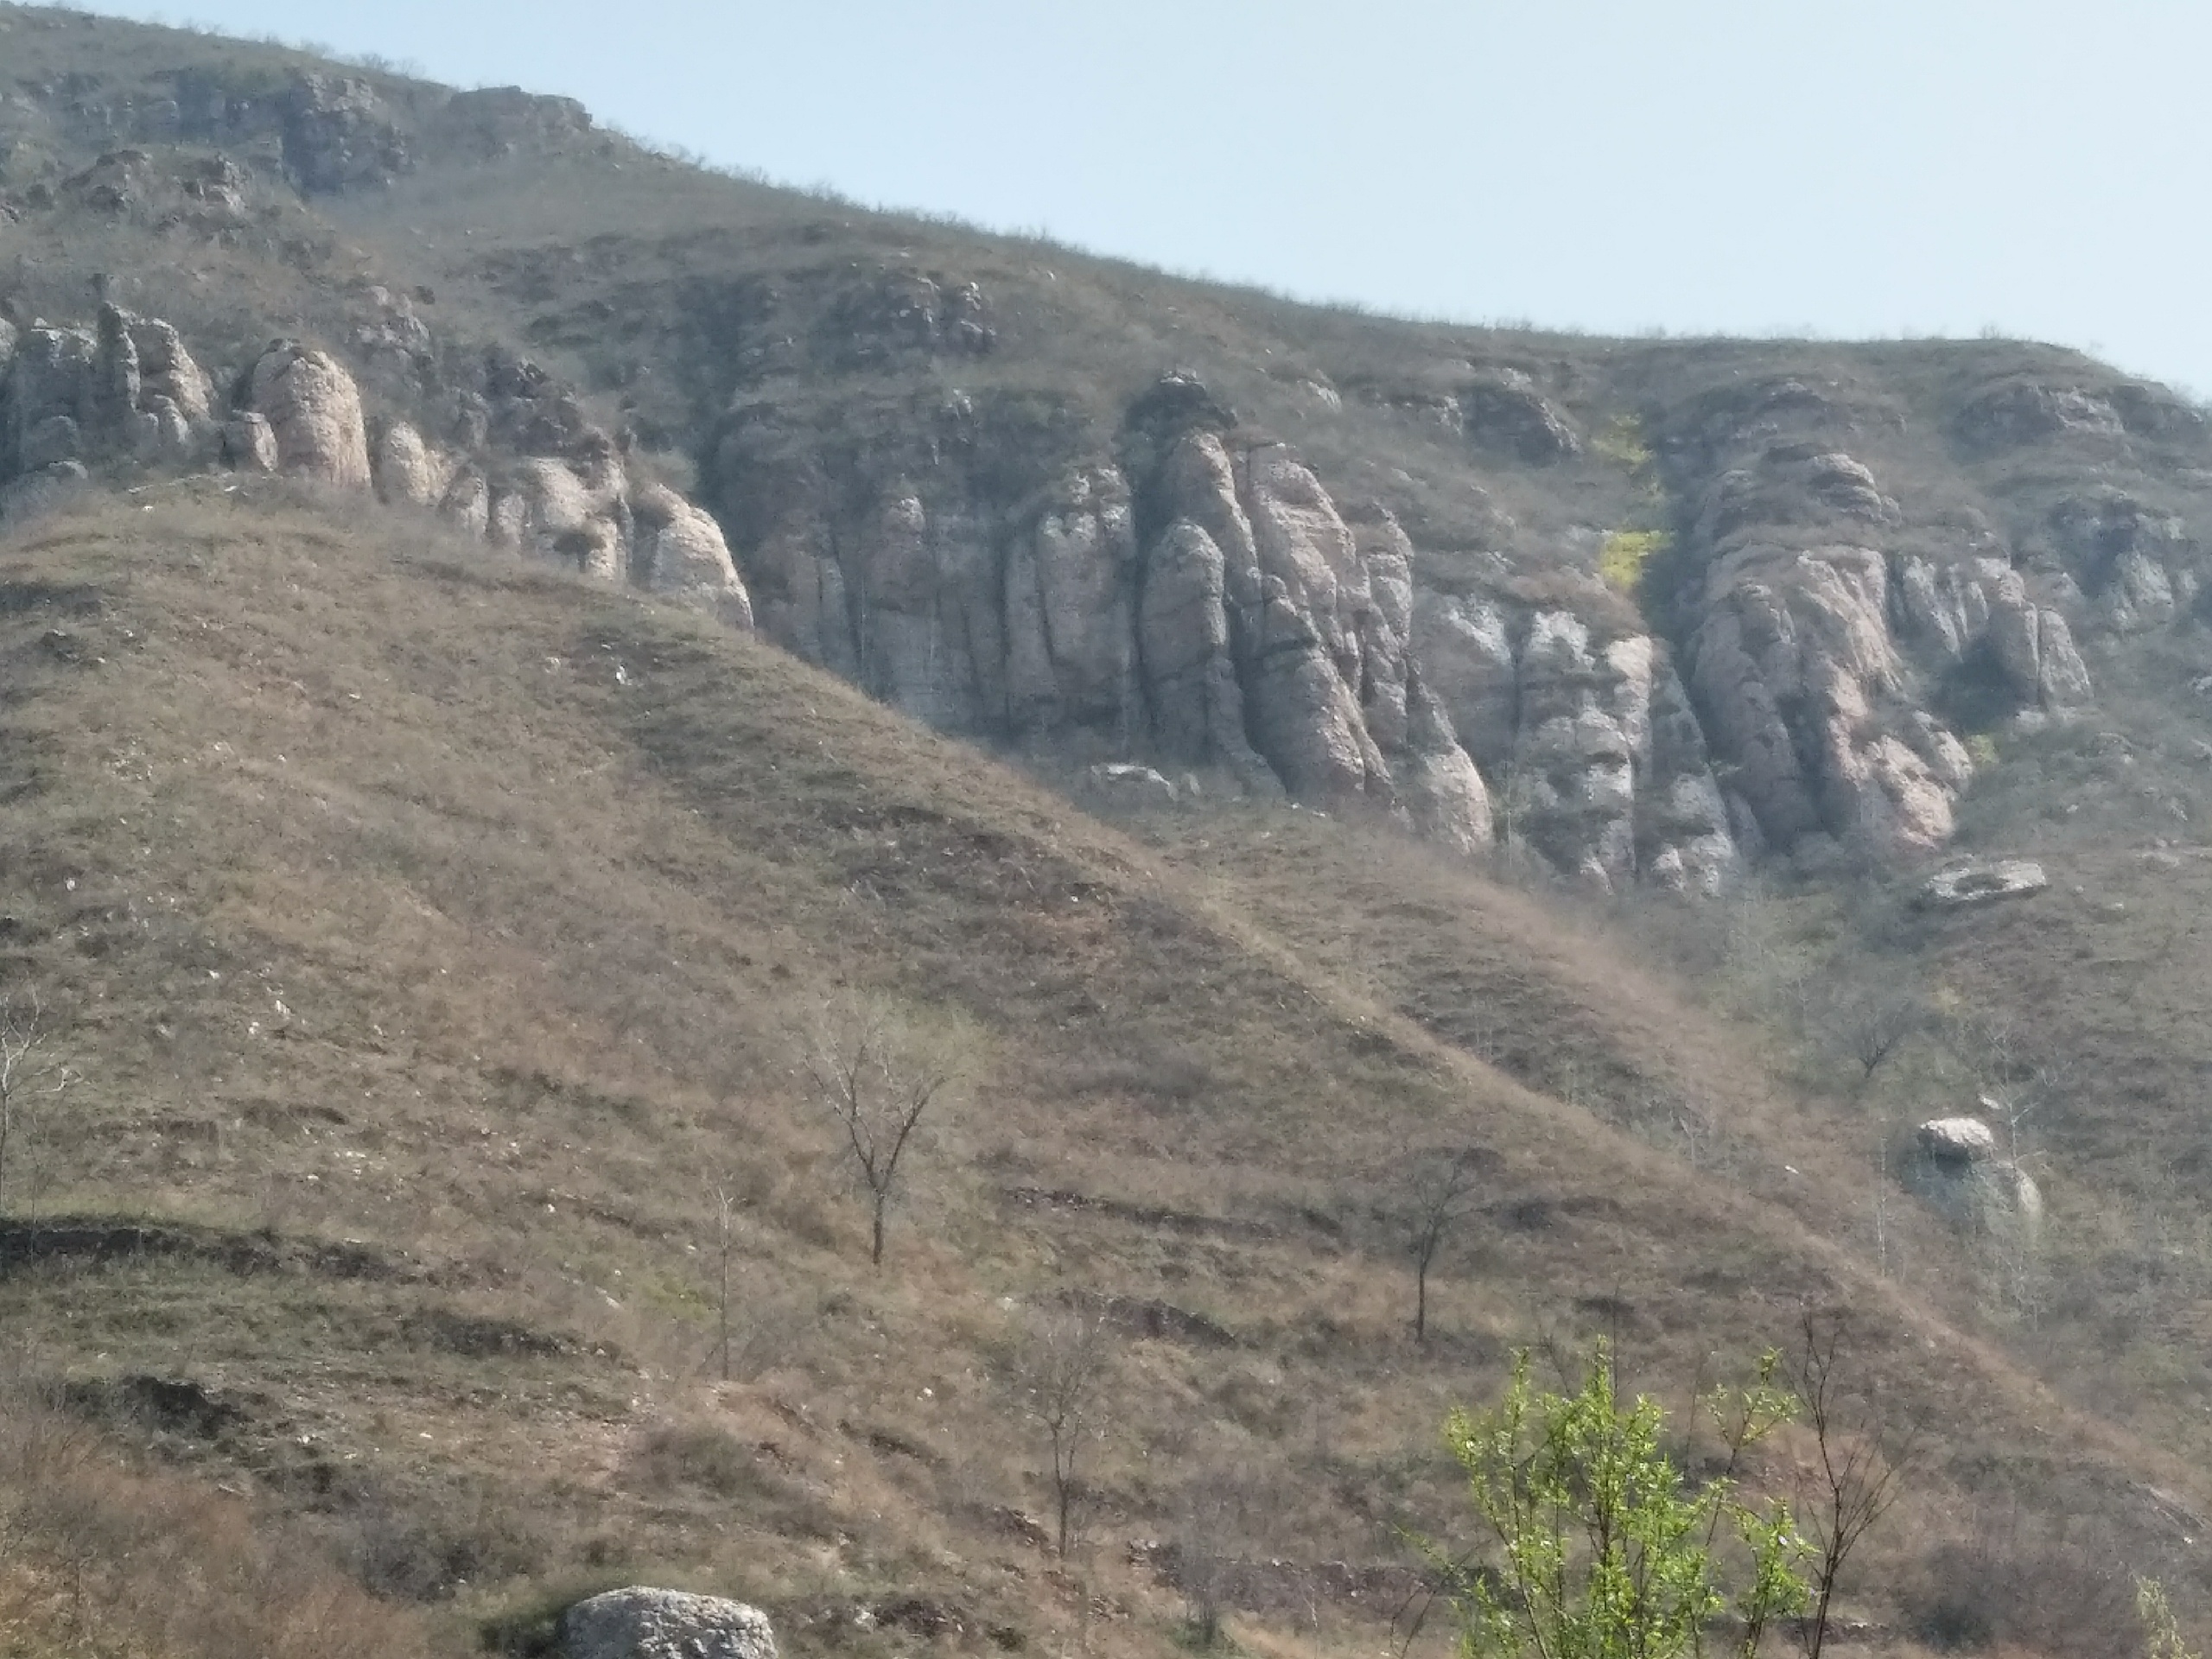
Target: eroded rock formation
526	470
1823	625
1185	590
1589	741
1203	600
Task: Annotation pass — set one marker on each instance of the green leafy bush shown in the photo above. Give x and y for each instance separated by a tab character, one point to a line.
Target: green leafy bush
1602	1548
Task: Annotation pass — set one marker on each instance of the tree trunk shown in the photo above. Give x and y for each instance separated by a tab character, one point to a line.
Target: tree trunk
875	1242
1420	1303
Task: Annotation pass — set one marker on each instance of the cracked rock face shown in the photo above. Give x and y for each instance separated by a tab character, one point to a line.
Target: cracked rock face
1592	742
314	409
1218	609
2135	564
124	389
1815	641
1793	662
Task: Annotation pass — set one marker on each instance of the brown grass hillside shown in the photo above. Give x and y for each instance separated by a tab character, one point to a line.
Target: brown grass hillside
431	936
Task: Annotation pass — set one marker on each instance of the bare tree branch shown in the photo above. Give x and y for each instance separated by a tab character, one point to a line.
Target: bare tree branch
876	1081
1431	1196
1061	1371
29	1076
1852	1479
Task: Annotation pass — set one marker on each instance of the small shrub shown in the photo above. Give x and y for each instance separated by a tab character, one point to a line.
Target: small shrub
1622	558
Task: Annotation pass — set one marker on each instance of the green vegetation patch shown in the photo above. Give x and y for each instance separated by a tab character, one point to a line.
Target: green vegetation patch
1626	553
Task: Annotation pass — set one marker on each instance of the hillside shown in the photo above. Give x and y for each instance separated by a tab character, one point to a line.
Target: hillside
431	934
503	629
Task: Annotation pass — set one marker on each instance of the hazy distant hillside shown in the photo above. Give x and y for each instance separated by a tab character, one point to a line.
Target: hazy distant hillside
439	544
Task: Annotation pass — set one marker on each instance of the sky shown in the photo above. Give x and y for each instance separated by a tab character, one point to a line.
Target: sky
2033	168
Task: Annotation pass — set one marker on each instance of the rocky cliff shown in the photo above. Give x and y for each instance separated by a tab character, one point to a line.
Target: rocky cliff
1646	613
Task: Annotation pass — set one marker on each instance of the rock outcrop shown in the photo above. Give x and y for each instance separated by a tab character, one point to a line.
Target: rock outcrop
1981	604
1591	742
339	135
1201	599
1820	624
2136	565
1795	668
124	390
1505	413
314	410
645	1624
525	469
679	554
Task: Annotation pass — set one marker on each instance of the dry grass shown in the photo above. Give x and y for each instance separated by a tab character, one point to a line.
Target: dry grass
542	934
104	1556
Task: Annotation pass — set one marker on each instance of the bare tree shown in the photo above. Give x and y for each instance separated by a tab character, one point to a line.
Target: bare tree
2016	1082
1854	1475
30	1077
1870	1022
1061	1372
876	1080
1432	1195
725	1231
1213	1518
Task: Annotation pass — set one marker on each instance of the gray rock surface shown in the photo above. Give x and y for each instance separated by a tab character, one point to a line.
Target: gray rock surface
1505	412
680	554
1955	1165
249	443
646	1623
1215	607
1983	882
314	409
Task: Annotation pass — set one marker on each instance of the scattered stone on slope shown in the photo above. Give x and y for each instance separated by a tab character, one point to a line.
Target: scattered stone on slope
1956	1139
647	1623
1954	1165
1983	882
1123	780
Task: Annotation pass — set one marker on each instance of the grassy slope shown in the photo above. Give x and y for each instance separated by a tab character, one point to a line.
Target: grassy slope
543	879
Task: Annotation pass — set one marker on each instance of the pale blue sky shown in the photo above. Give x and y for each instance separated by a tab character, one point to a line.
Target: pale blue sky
1885	166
